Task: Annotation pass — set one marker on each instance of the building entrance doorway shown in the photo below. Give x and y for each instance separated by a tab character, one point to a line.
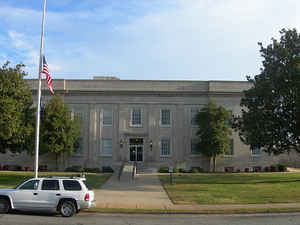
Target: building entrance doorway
136	149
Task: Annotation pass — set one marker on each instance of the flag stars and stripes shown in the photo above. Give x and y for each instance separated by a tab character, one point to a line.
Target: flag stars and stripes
46	72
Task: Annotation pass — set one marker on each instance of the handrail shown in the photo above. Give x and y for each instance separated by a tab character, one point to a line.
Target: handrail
120	171
134	170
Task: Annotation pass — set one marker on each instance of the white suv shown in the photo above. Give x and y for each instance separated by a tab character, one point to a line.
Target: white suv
58	194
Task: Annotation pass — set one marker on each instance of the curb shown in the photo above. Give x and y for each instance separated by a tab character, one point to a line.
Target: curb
199	212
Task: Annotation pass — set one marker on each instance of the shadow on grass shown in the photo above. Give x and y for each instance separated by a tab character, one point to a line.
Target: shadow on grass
234	179
257	182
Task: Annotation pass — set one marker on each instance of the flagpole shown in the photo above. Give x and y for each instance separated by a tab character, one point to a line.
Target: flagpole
37	129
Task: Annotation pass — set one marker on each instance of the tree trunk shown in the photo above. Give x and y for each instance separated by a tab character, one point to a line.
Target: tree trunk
56	161
215	163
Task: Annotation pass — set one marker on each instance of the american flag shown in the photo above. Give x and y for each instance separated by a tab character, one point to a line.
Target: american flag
47	74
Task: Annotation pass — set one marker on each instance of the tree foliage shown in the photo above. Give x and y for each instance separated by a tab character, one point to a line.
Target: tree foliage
59	131
16	110
269	114
214	131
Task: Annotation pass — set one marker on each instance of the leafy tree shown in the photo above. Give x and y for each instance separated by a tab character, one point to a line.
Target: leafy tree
214	131
298	112
59	131
16	110
269	113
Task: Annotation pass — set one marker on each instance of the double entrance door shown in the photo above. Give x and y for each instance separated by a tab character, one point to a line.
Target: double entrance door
136	149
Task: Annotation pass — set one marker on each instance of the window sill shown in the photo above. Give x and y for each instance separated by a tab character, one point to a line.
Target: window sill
165	156
106	156
195	155
136	126
165	126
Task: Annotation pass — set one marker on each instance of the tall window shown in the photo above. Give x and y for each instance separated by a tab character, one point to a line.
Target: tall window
194	145
78	114
165	147
106	147
231	116
107	117
78	147
136	117
230	152
165	117
194	112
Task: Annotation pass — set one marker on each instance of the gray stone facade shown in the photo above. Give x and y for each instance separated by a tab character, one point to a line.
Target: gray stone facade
148	121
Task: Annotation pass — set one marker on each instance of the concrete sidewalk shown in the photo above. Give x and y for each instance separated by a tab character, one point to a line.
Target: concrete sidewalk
146	192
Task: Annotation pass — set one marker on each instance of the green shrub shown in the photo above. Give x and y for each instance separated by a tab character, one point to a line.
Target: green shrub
282	168
92	170
274	168
196	170
181	170
163	170
175	170
77	169
107	169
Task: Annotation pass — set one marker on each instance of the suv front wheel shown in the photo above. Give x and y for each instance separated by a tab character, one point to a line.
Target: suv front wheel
67	208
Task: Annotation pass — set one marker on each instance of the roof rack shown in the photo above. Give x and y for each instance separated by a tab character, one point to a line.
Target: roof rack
71	177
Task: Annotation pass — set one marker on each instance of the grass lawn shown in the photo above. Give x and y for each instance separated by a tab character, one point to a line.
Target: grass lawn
242	188
10	179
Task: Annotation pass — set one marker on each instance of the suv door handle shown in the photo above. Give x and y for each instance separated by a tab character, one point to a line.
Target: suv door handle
35	193
58	194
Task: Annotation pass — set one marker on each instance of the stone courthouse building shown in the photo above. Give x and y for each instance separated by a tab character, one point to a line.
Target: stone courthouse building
148	121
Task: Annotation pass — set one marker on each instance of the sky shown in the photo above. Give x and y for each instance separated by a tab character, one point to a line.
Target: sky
144	39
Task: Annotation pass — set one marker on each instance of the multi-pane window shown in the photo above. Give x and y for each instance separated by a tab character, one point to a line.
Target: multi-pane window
230	151
194	112
165	147
136	117
107	117
106	147
165	117
231	116
256	151
77	114
194	147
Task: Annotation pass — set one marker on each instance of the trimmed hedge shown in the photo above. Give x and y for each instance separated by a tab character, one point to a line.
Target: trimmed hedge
92	170
196	170
276	168
175	170
76	169
107	169
163	170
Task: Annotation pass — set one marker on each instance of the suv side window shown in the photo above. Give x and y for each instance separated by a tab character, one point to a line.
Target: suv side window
71	185
51	185
30	185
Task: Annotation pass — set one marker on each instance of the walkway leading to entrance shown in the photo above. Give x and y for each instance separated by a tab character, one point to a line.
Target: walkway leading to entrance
143	191
146	192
